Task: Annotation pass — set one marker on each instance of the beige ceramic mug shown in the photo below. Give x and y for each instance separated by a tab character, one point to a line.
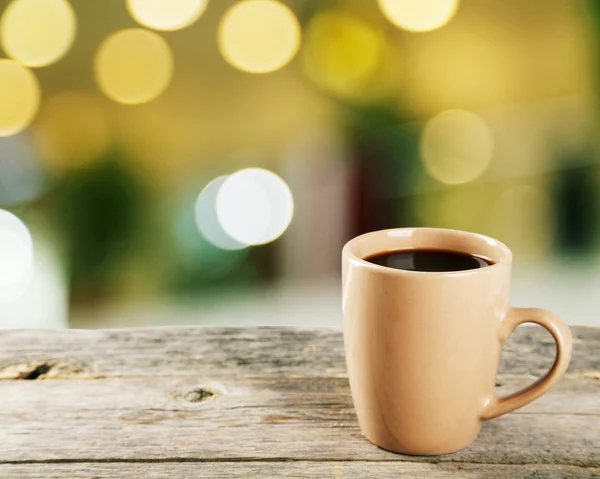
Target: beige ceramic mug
423	348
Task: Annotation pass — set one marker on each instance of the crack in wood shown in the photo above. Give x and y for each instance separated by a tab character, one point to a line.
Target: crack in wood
36	372
41	369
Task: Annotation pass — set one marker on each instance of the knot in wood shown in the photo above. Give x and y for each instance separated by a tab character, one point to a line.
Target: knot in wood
198	395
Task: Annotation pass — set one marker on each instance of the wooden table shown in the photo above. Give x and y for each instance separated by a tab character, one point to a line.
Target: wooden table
259	402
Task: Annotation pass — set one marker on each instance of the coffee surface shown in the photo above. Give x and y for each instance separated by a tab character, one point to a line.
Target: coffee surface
431	260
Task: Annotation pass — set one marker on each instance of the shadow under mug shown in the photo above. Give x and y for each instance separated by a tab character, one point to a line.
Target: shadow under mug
423	348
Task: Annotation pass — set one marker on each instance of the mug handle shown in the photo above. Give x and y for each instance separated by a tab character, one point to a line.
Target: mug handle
561	334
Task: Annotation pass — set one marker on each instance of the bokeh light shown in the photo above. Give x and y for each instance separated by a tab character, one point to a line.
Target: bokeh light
342	53
456	146
254	206
12	292
41	299
38	32
133	66
522	217
259	36
419	16
19	97
280	199
16	251
22	177
195	256
71	129
206	217
166	14
243	209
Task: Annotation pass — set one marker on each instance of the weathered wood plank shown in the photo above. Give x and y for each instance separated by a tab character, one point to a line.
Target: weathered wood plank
272	399
243	351
306	470
276	419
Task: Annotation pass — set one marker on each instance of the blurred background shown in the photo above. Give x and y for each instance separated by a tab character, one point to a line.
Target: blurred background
202	162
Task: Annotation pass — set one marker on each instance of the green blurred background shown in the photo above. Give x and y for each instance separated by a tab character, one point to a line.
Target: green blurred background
484	119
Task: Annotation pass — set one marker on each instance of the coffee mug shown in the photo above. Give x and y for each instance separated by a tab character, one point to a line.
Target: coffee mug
423	348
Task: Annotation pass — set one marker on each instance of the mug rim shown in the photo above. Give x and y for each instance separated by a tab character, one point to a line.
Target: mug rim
505	257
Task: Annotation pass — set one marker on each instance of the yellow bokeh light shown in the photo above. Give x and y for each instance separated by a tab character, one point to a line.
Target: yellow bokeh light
133	66
71	129
342	52
38	32
19	97
259	36
166	14
456	146
419	16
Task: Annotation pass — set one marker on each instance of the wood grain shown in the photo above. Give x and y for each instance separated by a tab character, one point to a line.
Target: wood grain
301	469
247	351
275	401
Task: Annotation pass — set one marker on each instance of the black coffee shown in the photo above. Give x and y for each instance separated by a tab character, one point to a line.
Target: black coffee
433	260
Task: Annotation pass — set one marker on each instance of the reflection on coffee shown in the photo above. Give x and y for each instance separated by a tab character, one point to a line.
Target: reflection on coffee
431	260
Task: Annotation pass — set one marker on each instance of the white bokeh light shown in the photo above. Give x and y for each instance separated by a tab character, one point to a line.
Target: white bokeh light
421	16
280	199
254	206
14	292
206	217
243	209
166	14
16	256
